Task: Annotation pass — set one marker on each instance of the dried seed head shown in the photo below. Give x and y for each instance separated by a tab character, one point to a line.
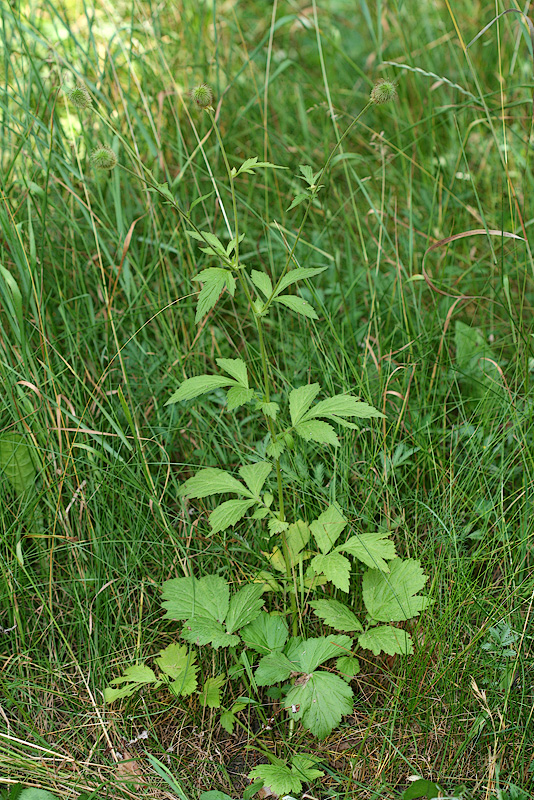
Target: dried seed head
202	96
80	97
104	157
383	91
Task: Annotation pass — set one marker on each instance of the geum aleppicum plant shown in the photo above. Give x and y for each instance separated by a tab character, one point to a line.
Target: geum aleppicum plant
306	560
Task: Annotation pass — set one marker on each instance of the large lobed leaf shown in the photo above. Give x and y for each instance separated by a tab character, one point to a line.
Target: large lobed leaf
386	639
337	615
320	701
328	527
267	633
188	597
370	548
393	597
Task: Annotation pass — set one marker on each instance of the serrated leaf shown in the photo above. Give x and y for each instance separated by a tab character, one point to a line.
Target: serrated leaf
334	567
16	461
32	793
328	527
298	199
201	631
273	668
175	660
277	526
336	614
214	794
133	677
348	666
427	789
188	597
297	304
237	396
269	409
260	513
299	274
235	367
301	399
228	720
393	597
262	282
386	639
200	200
211	692
194	387
255	475
278	777
275	449
343	405
228	514
211	481
232	244
206	237
370	548
268	632
251	164
305	767
297	537
317	431
307	172
321	702
215	280
245	606
311	653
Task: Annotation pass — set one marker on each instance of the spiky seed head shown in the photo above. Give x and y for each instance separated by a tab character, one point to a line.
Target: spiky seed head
80	97
202	96
104	157
383	91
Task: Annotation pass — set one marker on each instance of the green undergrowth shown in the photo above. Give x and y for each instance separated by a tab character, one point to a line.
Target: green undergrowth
99	326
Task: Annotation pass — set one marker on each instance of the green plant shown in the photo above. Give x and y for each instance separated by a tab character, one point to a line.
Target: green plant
307	562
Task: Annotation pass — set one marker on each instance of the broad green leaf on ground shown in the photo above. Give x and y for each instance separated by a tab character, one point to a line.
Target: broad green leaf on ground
177	661
235	367
298	304
336	614
334	567
215	794
32	793
423	788
306	768
215	281
317	431
278	777
16	461
133	677
386	639
343	405
211	691
370	548
348	666
301	399
188	597
262	282
212	481
228	514
393	597
311	653
201	384
255	476
273	668
202	630
299	274
237	396
268	632
245	605
321	700
327	528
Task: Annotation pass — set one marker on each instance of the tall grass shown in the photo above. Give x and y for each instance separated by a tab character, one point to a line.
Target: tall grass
97	328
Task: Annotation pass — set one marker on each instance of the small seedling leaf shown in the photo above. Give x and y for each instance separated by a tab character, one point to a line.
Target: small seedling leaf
348	666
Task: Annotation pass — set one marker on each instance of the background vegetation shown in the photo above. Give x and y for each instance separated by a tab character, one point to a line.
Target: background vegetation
97	330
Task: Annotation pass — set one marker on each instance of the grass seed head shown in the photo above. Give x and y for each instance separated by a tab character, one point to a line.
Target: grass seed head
104	157
202	96
80	97
383	92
